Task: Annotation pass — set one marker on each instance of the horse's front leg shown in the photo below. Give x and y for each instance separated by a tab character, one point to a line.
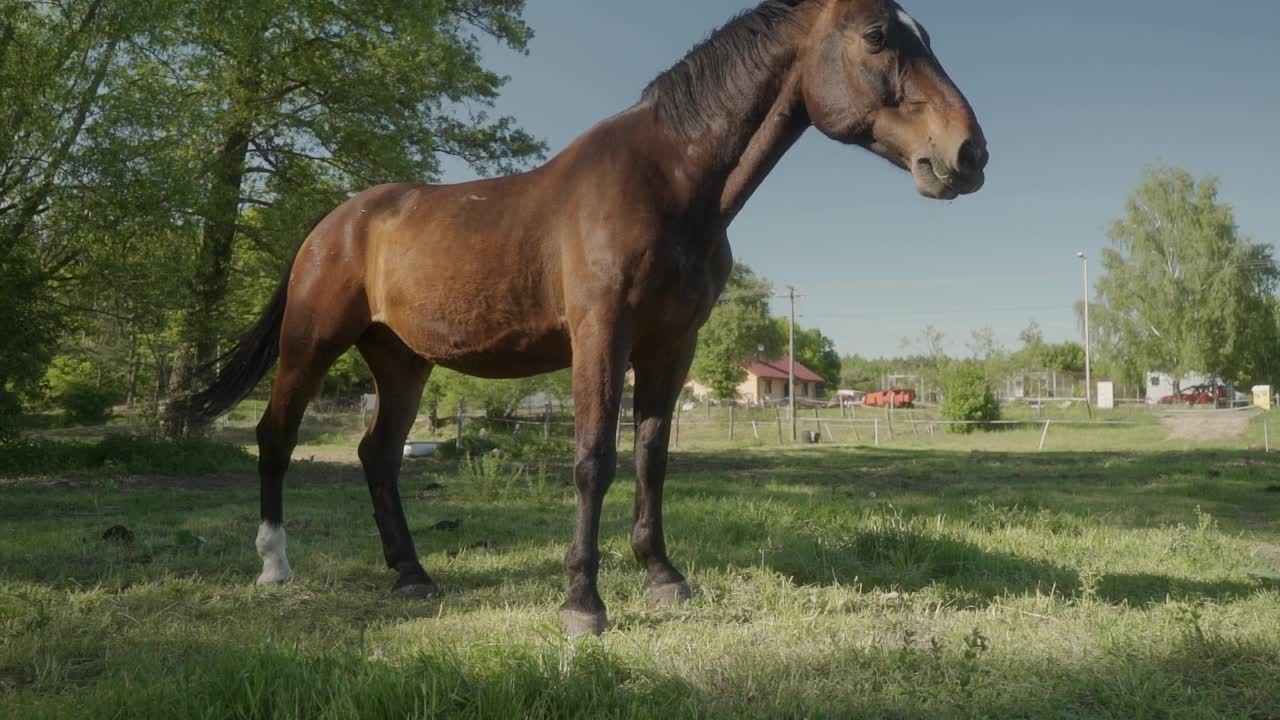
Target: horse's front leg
601	344
659	377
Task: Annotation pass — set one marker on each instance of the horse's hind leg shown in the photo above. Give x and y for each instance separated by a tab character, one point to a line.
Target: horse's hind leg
303	364
400	376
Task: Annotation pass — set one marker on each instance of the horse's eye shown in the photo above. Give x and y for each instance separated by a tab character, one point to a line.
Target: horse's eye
875	39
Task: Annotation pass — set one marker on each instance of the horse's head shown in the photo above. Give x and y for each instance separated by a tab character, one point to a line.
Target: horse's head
869	77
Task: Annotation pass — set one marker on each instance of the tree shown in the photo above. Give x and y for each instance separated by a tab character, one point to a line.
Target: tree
57	64
148	148
738	327
495	398
293	106
1181	290
813	350
1065	357
859	373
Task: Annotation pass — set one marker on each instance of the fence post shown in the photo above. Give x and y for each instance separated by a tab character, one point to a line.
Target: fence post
1266	433
778	415
755	429
853	425
1045	435
617	442
546	423
877	432
731	407
830	435
462	419
678	409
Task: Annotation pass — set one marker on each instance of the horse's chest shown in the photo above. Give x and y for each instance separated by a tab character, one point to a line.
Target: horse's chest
686	285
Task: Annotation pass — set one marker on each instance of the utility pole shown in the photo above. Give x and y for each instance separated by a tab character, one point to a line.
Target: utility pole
1088	374
791	362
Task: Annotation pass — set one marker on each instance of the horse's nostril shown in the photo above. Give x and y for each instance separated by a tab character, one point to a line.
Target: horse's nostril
972	157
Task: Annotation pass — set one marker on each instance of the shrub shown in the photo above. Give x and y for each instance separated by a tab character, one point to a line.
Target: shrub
124	454
968	397
472	444
73	386
86	404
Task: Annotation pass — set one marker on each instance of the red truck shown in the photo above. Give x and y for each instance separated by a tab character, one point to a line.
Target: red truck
898	397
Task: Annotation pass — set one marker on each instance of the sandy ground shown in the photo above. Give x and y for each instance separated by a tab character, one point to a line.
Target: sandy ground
1206	424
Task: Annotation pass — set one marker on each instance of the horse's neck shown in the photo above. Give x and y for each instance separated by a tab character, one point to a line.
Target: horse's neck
730	157
763	142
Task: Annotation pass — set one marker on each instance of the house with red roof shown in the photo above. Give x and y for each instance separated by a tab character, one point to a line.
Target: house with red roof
767	382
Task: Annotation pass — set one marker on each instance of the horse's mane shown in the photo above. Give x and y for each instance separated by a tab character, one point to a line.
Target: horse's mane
713	78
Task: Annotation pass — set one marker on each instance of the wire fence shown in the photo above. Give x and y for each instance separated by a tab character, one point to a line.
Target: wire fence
704	426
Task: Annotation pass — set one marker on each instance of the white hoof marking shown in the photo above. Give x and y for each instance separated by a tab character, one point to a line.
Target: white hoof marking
275	563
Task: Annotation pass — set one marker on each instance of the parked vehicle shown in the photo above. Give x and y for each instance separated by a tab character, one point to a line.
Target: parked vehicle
1197	395
897	397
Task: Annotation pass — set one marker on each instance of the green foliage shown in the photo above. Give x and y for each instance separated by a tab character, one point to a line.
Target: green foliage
814	350
160	161
1036	354
738	326
349	377
73	386
85	404
493	398
968	397
859	373
1181	290
473	445
123	454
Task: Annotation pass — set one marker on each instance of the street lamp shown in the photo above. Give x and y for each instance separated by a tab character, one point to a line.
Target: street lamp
1088	378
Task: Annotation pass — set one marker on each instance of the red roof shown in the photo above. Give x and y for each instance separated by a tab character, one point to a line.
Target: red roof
777	370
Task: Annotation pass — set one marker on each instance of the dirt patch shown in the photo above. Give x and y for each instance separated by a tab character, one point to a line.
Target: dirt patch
1268	553
1208	425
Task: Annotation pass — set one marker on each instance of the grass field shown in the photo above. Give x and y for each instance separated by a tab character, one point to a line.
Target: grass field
963	576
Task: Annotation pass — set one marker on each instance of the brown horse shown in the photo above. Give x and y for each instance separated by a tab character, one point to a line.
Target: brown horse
613	253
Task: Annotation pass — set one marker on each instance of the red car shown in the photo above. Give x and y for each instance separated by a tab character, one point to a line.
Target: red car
1197	395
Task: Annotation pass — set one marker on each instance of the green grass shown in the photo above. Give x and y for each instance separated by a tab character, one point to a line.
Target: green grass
831	582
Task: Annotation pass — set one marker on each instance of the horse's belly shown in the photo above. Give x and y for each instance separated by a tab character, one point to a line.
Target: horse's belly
480	344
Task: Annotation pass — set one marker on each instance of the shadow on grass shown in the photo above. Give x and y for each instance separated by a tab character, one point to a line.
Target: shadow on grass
1137	677
706	495
1143	588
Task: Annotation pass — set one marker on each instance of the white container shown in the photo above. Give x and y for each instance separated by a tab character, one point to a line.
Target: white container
420	449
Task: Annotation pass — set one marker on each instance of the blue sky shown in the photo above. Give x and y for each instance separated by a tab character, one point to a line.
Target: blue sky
1075	98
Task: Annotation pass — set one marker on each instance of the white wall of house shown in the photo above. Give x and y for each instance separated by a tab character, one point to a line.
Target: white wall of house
763	390
1160	385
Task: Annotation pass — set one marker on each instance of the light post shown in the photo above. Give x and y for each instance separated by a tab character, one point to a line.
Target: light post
1088	377
791	364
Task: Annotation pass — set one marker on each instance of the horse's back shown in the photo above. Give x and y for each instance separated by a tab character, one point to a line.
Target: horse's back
461	273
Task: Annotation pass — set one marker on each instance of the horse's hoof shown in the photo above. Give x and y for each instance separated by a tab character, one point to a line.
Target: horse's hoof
670	595
416	591
576	623
273	578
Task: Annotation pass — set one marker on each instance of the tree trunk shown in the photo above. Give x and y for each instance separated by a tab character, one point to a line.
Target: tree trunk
209	287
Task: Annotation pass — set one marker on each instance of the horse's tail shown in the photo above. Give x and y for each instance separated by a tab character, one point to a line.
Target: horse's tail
237	372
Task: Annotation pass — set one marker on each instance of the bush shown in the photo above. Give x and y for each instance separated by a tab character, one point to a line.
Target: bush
73	386
472	444
968	397
85	404
125	454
